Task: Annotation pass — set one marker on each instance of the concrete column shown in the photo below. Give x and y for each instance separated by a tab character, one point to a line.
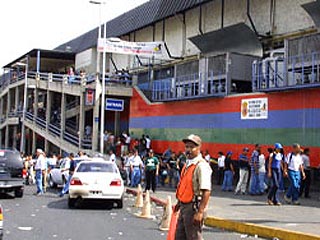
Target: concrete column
15	131
46	146
7	116
0	138
35	104
34	142
6	143
17	98
81	119
228	74
48	109
63	114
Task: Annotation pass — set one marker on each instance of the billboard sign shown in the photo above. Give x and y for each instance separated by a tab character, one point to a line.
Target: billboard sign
254	108
116	105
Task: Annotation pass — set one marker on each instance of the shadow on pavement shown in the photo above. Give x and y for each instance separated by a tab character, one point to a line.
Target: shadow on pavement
86	205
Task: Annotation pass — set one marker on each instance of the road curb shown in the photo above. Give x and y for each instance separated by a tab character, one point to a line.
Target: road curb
243	227
260	230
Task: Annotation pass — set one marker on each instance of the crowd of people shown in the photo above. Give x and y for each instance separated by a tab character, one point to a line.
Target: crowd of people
257	172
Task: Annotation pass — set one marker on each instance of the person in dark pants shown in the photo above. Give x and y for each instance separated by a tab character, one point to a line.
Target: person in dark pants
221	160
152	170
305	184
274	172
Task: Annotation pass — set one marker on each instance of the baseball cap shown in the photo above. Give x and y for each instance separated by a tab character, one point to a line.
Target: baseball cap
246	149
39	150
193	138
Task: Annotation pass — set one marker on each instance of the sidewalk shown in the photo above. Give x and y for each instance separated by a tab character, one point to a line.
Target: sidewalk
225	206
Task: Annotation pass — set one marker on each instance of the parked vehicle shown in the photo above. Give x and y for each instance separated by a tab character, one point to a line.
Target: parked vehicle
96	180
56	177
11	172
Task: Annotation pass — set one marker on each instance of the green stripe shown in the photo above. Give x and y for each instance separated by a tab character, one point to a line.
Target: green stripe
307	137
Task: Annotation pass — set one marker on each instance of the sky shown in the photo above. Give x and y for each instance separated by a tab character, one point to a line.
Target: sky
45	24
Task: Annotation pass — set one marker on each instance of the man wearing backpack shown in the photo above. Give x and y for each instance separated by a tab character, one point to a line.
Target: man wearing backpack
294	169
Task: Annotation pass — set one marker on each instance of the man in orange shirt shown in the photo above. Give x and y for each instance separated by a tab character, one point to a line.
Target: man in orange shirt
193	191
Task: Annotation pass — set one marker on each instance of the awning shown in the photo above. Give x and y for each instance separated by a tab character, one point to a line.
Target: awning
51	54
237	38
313	9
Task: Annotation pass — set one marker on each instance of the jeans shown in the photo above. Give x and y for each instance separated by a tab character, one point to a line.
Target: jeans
39	181
174	178
243	180
66	186
135	177
294	189
254	184
227	181
128	173
262	184
274	193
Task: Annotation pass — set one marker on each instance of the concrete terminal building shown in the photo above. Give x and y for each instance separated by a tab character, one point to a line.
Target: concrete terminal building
236	72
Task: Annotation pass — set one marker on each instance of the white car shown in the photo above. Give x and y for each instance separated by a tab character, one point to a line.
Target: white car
96	180
58	178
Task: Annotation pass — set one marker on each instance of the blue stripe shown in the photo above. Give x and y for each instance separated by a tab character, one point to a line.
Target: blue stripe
305	118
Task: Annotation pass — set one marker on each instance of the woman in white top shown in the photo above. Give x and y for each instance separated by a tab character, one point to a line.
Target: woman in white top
262	173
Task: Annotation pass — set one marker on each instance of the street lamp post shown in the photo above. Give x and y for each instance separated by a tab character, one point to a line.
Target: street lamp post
103	92
24	109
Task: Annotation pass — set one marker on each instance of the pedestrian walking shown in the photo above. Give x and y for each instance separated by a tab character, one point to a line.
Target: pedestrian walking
173	171
274	173
294	170
70	168
305	185
152	170
193	192
254	164
136	166
221	160
243	172
228	173
40	168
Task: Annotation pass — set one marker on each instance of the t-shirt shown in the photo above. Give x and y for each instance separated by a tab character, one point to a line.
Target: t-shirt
243	162
294	162
306	162
173	163
276	160
113	157
151	163
207	157
136	161
148	143
262	162
227	164
221	161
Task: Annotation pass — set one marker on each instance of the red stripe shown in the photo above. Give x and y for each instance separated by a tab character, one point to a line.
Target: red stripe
292	100
160	146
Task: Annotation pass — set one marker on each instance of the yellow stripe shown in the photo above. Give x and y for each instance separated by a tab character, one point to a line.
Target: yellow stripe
260	230
1	217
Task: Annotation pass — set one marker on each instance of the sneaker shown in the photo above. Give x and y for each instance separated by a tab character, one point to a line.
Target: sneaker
269	202
286	199
296	203
39	194
278	204
60	195
243	193
236	193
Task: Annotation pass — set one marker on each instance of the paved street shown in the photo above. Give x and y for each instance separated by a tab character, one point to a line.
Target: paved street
48	217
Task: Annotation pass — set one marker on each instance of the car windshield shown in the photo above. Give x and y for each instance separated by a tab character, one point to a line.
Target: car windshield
97	167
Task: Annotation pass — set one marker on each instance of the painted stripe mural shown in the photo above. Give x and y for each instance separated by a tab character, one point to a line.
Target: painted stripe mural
291	117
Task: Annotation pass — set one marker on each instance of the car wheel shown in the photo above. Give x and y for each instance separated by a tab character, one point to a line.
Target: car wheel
119	203
18	193
52	184
71	202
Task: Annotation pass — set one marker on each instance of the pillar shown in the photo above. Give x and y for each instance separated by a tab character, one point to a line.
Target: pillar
34	142
7	117
48	109
117	123
81	119
63	114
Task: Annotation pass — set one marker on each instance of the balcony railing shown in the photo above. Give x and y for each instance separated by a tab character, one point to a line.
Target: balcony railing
280	73
186	87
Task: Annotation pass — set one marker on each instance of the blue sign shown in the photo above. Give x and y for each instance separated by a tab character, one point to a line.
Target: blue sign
116	105
96	119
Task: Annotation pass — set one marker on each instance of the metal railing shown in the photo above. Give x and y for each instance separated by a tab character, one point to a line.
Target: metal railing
71	138
55	130
294	72
188	87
